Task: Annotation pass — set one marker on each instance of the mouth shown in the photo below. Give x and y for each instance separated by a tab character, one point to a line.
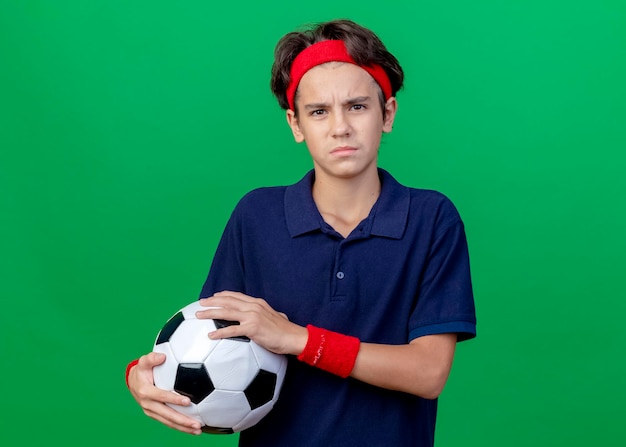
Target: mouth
343	151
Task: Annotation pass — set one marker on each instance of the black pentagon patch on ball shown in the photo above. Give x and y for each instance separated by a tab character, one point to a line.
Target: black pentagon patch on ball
217	430
219	324
261	390
193	381
169	328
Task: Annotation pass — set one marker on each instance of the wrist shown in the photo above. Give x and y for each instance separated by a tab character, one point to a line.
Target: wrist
299	341
128	368
330	351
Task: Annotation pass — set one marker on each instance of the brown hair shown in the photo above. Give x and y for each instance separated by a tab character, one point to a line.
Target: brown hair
362	45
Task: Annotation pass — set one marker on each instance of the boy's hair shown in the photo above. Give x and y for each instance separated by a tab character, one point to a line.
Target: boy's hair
362	45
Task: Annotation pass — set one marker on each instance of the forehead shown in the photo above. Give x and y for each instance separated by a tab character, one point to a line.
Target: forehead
337	78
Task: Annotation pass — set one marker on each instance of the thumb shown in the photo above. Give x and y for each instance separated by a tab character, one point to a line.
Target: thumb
154	358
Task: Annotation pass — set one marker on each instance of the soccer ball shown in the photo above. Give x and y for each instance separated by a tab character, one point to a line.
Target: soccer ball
232	383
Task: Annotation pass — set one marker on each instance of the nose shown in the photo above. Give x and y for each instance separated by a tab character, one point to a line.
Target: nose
340	124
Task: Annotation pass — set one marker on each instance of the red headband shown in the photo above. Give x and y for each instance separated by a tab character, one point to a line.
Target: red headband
330	51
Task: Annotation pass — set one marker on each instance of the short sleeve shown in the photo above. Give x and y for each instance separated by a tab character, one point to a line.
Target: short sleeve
445	302
227	272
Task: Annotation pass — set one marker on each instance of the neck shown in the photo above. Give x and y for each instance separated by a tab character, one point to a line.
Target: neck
344	203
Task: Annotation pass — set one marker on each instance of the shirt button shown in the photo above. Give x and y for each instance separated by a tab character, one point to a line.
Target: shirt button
340	275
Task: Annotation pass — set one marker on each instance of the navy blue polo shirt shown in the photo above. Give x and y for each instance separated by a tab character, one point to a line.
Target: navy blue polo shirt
401	274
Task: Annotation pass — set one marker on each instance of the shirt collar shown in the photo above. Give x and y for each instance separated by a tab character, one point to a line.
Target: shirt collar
388	217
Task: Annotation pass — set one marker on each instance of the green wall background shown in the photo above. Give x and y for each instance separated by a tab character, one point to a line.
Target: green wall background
129	130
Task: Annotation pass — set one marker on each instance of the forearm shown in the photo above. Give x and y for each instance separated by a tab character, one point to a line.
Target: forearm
420	368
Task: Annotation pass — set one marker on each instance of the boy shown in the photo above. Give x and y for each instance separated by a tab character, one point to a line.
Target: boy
362	282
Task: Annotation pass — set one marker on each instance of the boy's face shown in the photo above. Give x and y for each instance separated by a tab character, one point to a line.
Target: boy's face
340	119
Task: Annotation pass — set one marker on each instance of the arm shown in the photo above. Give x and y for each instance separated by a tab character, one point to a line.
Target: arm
420	367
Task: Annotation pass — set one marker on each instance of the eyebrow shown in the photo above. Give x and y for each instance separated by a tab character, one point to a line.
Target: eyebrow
348	102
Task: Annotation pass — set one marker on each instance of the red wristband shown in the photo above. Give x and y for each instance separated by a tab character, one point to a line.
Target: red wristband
330	351
129	367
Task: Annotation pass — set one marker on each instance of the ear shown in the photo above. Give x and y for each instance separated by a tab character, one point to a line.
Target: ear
293	122
391	107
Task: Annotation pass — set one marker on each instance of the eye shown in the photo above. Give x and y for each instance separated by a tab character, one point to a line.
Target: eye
358	107
318	112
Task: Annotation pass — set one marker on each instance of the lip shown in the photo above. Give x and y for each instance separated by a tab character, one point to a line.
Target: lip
343	151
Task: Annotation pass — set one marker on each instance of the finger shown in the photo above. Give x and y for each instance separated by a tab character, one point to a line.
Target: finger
226	308
173	419
231	331
171	397
153	401
151	360
146	392
209	313
210	300
232	313
238	296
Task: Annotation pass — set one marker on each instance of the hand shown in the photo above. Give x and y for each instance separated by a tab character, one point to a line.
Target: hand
257	321
153	399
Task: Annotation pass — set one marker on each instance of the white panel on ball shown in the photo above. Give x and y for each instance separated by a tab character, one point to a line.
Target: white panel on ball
223	408
191	343
231	365
165	373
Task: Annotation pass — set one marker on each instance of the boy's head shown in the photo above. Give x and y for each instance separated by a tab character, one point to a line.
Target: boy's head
338	40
